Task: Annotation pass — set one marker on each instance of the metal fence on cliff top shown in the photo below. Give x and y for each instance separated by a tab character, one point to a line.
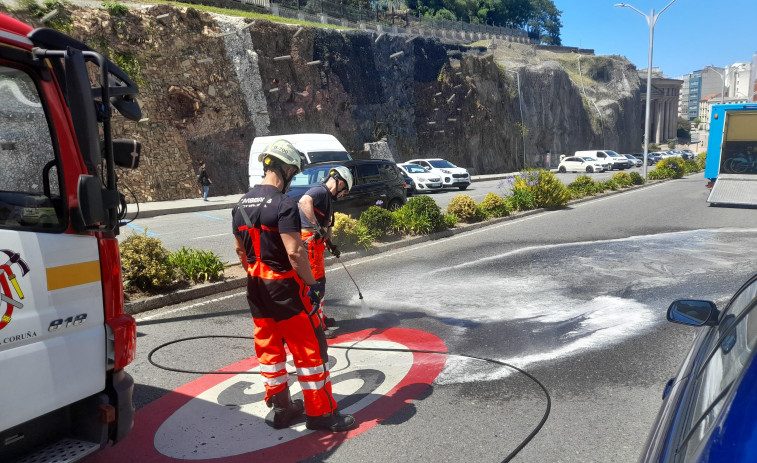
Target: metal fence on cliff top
388	20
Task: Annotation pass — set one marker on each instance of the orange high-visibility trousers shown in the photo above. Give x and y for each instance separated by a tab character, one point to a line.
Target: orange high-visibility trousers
269	293
315	254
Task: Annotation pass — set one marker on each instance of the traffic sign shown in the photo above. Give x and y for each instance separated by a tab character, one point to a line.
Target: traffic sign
223	417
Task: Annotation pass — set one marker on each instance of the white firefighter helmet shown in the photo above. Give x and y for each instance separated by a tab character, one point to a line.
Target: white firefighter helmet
284	152
341	172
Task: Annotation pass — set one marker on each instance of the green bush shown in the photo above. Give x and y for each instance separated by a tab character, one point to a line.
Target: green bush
464	207
690	166
636	178
546	188
493	205
348	233
450	220
672	167
115	9
197	265
582	186
610	185
419	216
701	160
623	179
377	221
146	263
521	200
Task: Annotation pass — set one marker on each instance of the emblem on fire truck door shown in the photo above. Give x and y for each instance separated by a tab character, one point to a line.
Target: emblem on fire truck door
12	266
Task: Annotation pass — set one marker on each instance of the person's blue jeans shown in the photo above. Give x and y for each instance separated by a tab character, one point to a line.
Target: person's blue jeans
205	189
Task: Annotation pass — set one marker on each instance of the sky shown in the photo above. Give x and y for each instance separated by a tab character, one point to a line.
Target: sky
688	36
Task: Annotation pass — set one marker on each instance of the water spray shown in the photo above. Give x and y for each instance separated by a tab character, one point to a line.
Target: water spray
348	274
335	252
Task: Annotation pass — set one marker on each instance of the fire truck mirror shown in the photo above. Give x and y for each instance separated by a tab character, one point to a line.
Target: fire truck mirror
126	153
91	200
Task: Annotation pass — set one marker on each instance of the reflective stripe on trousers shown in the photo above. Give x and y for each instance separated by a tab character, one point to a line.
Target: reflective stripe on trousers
308	352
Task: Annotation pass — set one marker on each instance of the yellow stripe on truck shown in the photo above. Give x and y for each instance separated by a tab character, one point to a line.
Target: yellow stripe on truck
66	276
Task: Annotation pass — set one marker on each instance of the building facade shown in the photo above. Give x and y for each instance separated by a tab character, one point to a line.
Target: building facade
665	94
738	83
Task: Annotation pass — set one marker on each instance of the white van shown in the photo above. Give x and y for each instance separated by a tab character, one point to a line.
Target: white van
609	158
317	147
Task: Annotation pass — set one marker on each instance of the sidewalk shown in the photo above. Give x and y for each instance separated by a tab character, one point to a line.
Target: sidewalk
156	208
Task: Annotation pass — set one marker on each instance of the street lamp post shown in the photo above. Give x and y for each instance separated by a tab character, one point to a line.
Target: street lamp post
522	124
651	20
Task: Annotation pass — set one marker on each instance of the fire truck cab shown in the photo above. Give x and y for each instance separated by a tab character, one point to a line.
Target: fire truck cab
64	337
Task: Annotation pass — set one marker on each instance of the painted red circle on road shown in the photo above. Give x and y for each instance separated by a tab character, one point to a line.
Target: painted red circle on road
145	440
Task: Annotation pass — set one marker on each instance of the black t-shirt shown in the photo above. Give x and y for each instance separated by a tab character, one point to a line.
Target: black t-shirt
321	207
279	215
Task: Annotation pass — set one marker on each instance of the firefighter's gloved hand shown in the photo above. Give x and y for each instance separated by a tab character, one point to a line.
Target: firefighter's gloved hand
315	293
318	232
333	249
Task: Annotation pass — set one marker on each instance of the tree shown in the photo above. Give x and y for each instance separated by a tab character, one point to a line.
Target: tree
546	21
684	128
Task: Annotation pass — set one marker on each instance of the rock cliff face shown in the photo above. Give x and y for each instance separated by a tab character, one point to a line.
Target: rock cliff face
210	84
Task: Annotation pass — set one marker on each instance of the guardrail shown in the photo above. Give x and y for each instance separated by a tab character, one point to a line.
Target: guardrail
389	21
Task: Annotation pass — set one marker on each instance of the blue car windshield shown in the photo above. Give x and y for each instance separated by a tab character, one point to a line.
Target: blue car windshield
414	169
441	164
311	176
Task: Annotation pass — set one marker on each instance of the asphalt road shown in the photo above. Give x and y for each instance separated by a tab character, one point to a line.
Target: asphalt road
575	296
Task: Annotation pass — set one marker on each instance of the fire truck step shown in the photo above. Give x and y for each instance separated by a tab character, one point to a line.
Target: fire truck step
64	451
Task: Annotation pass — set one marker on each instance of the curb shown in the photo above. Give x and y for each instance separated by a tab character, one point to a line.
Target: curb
207	289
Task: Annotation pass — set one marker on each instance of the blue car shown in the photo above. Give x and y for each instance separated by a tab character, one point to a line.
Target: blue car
709	411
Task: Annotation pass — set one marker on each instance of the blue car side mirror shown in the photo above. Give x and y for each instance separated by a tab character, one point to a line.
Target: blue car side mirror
693	312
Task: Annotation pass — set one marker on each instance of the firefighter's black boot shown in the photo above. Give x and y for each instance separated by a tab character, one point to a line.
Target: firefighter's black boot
334	422
285	410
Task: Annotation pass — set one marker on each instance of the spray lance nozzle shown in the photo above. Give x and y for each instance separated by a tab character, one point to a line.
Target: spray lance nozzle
335	252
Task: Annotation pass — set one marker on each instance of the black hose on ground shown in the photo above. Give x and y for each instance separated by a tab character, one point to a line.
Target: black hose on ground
509	457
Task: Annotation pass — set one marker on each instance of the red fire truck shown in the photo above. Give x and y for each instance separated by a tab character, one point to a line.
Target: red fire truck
64	337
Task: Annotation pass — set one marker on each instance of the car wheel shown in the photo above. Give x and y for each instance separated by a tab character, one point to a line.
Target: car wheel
561	169
590	170
394	205
463	187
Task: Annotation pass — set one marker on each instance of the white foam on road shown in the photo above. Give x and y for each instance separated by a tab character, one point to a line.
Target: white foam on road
487	290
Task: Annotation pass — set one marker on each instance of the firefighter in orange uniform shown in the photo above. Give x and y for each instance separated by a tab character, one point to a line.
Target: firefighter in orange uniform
317	217
284	296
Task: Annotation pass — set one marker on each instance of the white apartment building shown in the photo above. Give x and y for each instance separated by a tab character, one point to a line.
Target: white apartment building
738	80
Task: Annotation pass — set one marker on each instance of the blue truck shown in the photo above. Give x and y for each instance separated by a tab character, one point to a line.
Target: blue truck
731	168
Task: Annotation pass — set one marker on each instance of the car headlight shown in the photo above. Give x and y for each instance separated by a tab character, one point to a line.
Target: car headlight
445	171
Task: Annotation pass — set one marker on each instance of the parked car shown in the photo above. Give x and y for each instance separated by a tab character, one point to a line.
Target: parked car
707	412
636	161
608	157
652	159
422	178
452	176
580	164
410	188
688	154
377	182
